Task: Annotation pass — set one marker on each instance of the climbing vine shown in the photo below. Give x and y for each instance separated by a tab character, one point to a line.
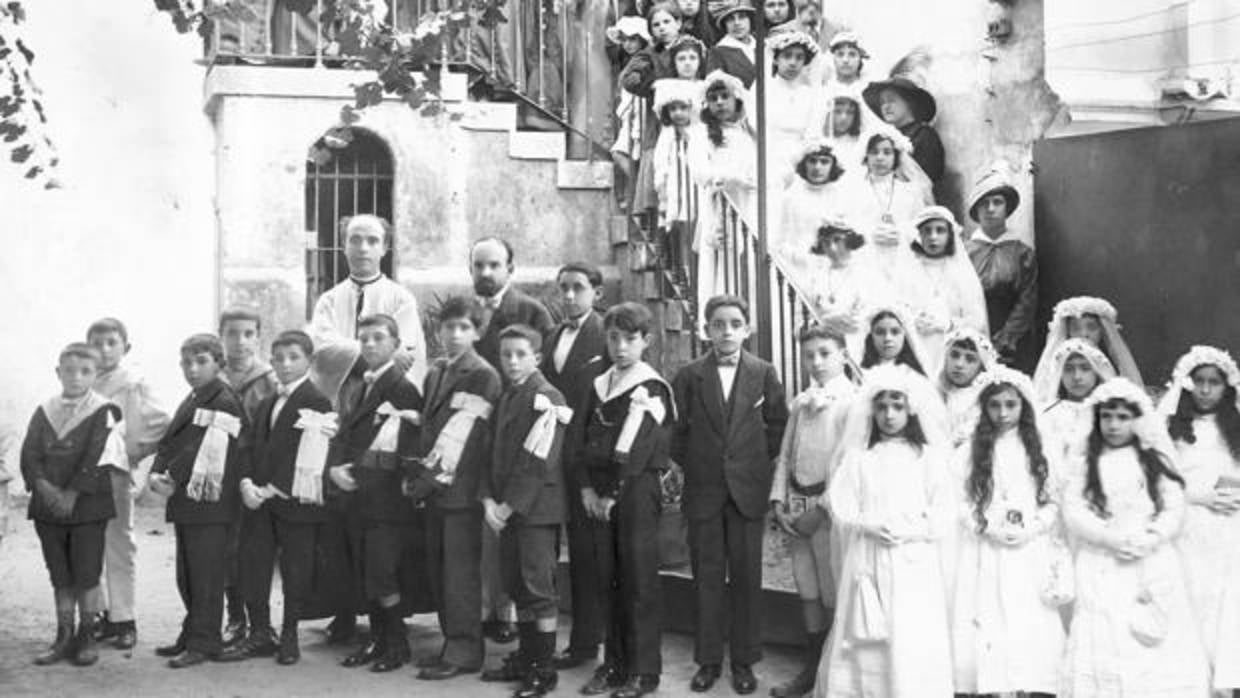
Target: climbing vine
23	121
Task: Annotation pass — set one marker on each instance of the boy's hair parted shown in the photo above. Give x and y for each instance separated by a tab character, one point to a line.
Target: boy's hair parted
522	331
460	308
816	330
106	325
291	338
380	320
628	317
80	350
726	301
204	343
359	219
591	272
239	315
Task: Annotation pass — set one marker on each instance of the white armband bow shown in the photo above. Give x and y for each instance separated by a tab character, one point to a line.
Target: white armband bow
451	440
114	453
207	478
542	434
317	429
389	432
641	403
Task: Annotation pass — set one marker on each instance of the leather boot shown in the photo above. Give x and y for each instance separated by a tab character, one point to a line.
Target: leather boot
803	682
60	648
396	636
375	647
85	652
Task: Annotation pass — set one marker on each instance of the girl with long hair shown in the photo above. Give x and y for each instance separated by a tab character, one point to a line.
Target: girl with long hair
1202	416
1133	632
948	292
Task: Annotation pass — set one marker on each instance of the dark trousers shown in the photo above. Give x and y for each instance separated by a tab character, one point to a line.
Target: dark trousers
262	535
626	557
201	574
584	577
527	558
389	549
727	547
454	552
232	585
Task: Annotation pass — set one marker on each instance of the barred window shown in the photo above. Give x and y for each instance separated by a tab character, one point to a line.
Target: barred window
358	179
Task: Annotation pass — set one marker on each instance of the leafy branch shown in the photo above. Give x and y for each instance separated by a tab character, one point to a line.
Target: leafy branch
23	122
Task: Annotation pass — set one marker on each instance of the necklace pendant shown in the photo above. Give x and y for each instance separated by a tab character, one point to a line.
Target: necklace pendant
888	218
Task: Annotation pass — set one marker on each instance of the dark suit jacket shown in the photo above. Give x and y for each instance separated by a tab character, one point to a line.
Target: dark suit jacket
379	476
598	430
534	488
515	308
70	462
728	449
273	450
469	374
177	449
586	361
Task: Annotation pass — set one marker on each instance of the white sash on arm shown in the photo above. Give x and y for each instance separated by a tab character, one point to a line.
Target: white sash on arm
317	429
389	432
207	478
114	453
641	403
542	434
451	440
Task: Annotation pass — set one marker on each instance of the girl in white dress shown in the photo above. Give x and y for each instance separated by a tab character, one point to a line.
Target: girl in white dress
789	105
892	498
1094	320
1006	632
813	196
1077	368
1205	426
884	198
967	354
838	272
890	341
949	294
1133	633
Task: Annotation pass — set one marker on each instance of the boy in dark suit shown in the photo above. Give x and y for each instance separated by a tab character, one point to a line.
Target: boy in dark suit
576	353
282	489
196	466
523	501
623	438
70	440
461	391
369	455
731	420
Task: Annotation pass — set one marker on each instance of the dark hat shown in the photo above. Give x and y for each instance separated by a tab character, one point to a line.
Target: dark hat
920	101
722	9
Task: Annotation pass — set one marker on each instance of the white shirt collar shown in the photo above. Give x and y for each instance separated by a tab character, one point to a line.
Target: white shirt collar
290	387
982	237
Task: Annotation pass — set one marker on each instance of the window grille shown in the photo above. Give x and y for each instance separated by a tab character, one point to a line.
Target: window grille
358	179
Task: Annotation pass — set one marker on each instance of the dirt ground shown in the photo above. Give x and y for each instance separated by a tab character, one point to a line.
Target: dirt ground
27	625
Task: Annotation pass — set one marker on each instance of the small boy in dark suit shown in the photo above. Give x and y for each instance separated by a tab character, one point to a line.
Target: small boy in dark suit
576	353
282	489
378	436
731	416
523	501
196	467
622	440
70	444
461	392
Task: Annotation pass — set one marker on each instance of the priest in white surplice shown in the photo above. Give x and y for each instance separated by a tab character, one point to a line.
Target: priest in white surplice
366	292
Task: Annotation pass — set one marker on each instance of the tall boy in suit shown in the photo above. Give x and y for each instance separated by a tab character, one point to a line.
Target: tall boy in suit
282	489
196	466
523	501
731	422
576	353
461	392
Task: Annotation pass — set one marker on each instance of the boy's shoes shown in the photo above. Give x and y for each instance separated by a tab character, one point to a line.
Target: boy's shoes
124	635
802	684
174	650
368	653
743	680
540	681
637	686
60	648
188	658
234	632
258	643
606	678
500	631
514	668
573	657
705	678
430	661
342	629
289	652
443	671
85	652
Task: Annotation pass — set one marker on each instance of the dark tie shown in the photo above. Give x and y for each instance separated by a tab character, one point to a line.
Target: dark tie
729	360
361	301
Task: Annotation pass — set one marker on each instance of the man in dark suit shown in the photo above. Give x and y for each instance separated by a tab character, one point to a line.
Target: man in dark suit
523	500
491	264
731	420
575	354
282	489
202	495
461	392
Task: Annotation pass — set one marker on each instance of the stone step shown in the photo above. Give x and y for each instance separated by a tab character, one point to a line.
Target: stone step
584	174
536	145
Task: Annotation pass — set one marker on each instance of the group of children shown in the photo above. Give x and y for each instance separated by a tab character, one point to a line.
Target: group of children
955	526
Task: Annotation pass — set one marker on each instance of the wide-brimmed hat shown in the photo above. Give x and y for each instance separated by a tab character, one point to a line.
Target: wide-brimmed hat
919	99
668	90
847	38
780	40
732	83
993	181
628	26
722	9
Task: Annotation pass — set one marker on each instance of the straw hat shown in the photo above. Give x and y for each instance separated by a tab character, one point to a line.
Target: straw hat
993	181
848	38
628	26
781	40
722	9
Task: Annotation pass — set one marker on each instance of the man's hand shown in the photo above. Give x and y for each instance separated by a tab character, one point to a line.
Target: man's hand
251	495
783	520
496	515
589	501
403	360
342	476
161	484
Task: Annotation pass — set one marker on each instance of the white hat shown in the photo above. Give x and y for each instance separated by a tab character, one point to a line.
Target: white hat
628	26
848	37
668	90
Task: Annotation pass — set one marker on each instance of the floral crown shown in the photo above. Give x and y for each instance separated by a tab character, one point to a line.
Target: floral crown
985	348
1002	375
1201	355
1076	345
898	140
779	41
1081	306
903	312
889	379
1120	388
815	145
